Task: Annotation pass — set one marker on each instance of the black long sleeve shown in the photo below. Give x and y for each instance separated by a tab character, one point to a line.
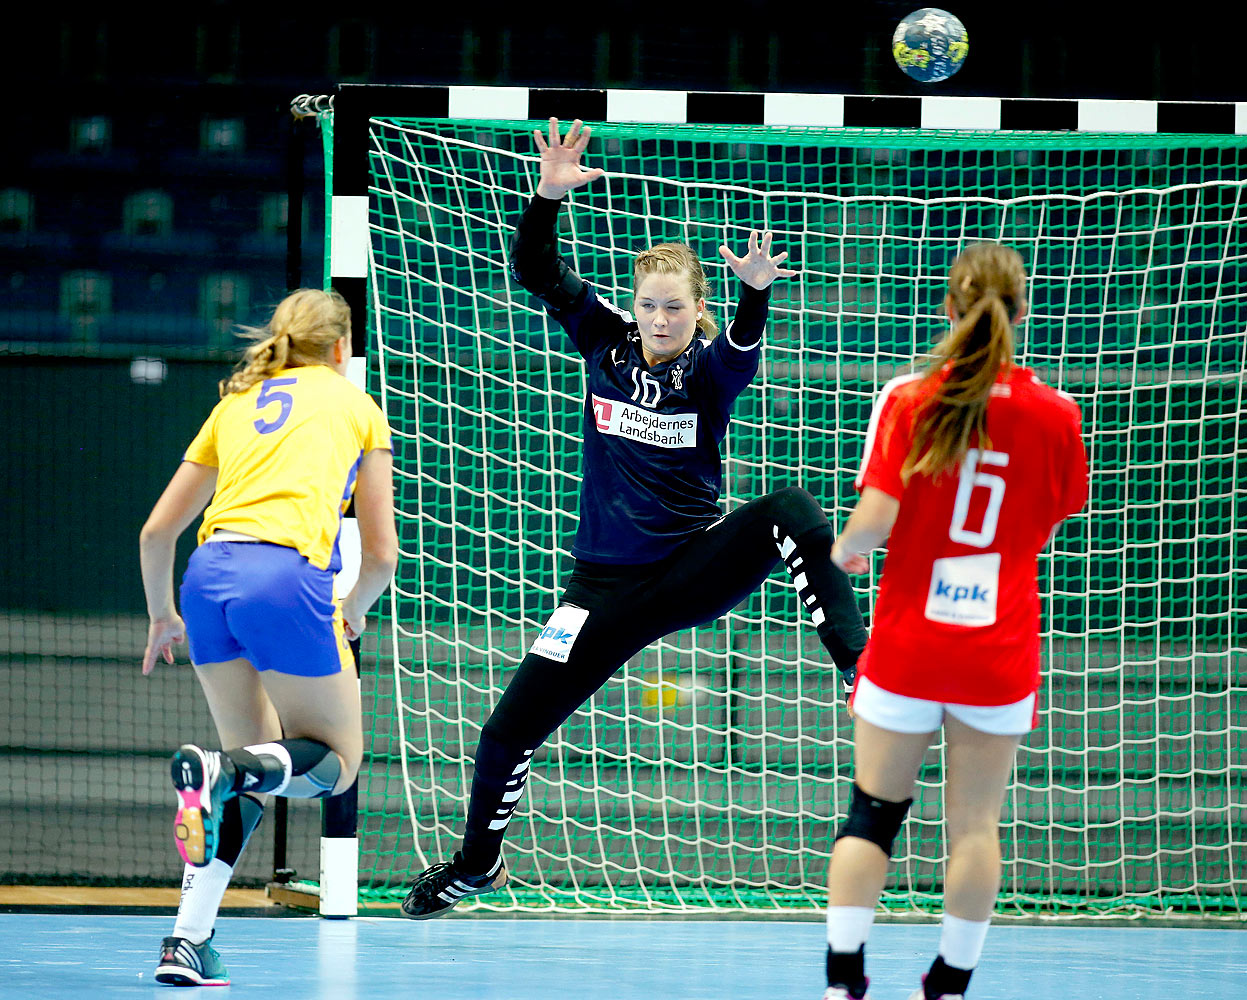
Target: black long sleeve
752	308
535	260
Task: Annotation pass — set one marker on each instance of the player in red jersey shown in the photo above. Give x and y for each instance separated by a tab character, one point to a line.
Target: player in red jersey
968	470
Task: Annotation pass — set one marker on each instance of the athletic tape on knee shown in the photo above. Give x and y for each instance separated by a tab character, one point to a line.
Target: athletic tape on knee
876	820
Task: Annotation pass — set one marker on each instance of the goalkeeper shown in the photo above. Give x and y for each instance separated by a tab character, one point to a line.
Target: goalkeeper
654	553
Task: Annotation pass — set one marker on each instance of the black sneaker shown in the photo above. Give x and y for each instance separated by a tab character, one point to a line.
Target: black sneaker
185	964
444	886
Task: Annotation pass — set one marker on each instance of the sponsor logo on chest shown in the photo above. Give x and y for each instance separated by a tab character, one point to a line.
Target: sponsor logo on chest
665	430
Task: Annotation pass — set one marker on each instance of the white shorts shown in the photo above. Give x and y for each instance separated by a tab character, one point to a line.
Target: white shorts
901	714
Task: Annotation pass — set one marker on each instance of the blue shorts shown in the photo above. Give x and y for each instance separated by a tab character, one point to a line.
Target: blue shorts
265	603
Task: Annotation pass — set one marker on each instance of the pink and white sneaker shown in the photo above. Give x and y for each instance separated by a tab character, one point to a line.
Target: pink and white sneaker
920	994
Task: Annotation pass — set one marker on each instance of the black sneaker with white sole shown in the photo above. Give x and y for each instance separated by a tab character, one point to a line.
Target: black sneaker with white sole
444	886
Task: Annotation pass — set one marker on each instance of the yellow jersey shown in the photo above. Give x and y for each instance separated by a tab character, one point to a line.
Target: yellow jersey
287	453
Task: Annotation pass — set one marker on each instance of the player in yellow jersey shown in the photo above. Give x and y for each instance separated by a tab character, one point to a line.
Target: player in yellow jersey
280	458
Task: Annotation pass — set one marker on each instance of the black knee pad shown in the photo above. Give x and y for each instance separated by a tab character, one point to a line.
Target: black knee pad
796	512
876	820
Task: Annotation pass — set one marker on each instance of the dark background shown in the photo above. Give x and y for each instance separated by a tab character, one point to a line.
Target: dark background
1057	49
144	171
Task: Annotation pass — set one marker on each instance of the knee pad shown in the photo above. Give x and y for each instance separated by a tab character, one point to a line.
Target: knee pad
318	781
876	820
796	513
239	818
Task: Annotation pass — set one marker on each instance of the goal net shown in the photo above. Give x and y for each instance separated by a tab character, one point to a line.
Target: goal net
712	771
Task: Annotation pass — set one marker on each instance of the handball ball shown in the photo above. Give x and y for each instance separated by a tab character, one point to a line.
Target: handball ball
930	45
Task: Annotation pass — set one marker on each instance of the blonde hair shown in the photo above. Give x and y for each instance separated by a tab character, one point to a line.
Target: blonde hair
987	288
303	330
676	258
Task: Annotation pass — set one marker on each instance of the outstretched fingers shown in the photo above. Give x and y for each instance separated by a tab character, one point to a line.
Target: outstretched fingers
574	135
782	272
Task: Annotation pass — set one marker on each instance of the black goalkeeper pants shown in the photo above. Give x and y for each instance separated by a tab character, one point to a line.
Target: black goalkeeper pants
629	607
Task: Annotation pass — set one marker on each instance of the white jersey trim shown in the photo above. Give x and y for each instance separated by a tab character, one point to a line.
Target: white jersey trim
623	314
753	347
873	427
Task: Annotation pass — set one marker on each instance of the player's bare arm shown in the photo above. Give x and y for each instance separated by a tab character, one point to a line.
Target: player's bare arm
867	529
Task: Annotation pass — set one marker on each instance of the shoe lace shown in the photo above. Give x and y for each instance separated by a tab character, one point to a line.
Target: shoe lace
426	885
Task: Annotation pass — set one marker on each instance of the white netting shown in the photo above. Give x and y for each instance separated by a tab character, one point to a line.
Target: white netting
713	769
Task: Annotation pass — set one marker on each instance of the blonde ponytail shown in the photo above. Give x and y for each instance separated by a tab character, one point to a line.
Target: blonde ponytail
987	288
302	331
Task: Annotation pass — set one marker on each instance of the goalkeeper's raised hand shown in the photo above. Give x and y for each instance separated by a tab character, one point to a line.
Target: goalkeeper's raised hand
560	160
757	268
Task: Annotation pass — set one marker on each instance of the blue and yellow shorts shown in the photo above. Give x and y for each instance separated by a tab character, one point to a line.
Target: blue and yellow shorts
265	603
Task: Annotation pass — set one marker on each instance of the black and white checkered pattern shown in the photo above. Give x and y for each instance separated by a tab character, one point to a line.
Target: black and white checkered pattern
831	110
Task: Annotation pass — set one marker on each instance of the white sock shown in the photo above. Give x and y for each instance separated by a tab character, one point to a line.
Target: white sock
848	927
202	892
961	941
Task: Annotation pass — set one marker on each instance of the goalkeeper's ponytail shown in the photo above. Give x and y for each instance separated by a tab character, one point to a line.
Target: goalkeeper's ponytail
986	289
303	330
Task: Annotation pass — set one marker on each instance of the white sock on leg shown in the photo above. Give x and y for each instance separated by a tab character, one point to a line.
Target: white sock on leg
961	941
202	892
848	927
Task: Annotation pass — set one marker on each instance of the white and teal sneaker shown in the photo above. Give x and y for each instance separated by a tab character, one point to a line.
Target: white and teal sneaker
183	963
203	780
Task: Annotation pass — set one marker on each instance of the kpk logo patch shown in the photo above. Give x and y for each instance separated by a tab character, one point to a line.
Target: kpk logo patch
963	590
555	641
664	430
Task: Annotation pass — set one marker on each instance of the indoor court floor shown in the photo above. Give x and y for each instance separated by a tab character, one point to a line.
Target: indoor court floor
67	956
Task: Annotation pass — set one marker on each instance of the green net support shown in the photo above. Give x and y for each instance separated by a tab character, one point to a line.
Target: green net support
711	773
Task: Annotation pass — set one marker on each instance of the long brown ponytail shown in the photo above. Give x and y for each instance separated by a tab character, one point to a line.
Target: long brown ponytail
987	288
304	327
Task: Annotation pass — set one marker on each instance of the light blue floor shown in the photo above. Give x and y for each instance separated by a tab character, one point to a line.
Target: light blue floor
105	956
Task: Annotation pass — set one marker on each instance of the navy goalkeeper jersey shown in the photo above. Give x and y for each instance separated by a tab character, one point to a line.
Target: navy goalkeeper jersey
651	471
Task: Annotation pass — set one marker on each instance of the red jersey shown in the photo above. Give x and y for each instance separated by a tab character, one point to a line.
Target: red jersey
957	616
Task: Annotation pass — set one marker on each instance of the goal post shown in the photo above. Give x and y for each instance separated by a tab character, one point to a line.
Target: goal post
710	774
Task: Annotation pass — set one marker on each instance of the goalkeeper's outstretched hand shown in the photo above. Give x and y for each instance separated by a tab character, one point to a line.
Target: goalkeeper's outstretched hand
560	160
757	268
